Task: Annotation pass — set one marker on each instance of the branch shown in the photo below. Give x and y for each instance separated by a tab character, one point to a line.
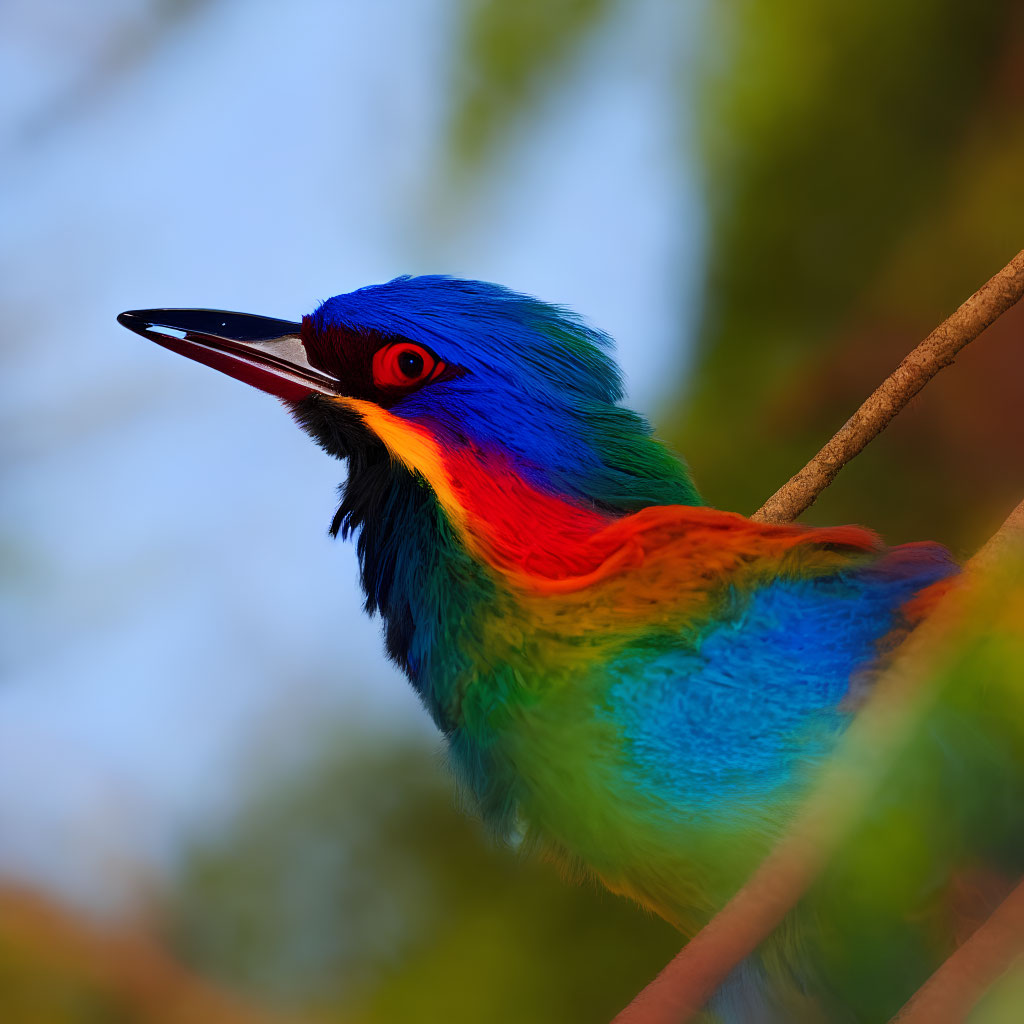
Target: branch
826	817
937	351
950	994
108	965
691	978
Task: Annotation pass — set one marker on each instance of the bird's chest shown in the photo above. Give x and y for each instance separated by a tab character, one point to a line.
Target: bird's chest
662	768
664	758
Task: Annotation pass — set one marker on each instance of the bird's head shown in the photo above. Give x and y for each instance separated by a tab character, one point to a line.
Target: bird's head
452	381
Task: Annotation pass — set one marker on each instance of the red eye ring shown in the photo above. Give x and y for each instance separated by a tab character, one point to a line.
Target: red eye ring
402	364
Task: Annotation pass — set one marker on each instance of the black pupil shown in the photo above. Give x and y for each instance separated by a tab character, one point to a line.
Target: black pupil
410	363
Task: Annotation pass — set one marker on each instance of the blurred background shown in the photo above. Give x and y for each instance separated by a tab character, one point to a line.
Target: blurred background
217	800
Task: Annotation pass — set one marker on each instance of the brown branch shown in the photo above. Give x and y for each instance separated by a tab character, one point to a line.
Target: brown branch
824	821
118	966
1008	535
690	979
949	995
937	351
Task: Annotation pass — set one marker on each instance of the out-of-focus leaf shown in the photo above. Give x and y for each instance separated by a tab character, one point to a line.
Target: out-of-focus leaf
361	892
1003	1002
861	162
940	840
57	967
511	51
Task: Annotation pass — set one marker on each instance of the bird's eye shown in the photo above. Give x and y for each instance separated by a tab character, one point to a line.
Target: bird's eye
403	363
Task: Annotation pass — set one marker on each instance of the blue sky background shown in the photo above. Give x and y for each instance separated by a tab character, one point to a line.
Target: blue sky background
176	624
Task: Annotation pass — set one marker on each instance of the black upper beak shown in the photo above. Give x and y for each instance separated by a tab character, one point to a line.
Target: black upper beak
259	350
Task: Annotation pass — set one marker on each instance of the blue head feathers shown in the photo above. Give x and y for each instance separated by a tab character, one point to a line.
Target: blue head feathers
523	376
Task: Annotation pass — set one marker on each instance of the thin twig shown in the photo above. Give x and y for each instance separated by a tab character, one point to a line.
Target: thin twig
1008	535
693	975
825	820
938	350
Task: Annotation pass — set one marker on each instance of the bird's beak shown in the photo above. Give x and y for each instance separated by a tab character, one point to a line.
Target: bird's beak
266	353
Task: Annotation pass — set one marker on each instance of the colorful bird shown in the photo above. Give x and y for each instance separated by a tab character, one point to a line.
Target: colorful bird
640	686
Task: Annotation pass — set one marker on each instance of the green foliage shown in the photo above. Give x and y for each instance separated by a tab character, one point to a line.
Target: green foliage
834	137
510	53
1002	1003
940	839
35	990
359	889
827	130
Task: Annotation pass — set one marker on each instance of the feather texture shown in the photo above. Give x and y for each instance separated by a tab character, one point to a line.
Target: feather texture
639	685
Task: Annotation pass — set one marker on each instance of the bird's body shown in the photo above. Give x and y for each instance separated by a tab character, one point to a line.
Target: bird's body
642	686
641	693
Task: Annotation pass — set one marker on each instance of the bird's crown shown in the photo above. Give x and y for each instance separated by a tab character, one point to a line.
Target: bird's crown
476	367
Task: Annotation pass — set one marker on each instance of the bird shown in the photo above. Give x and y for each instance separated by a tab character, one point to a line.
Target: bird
634	684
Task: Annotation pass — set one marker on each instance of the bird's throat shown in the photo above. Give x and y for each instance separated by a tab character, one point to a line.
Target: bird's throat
505	520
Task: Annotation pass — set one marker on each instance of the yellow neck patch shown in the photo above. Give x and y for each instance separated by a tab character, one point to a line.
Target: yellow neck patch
413	447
